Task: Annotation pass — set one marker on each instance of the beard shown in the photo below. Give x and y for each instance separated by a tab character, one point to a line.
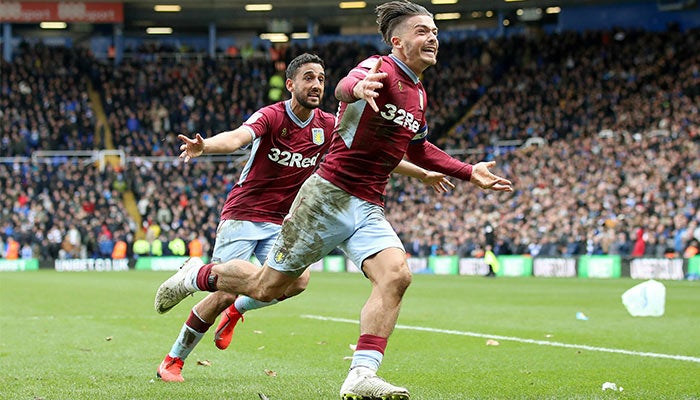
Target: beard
303	99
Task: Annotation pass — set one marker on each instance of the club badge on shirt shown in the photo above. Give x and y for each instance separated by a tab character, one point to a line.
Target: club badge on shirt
317	136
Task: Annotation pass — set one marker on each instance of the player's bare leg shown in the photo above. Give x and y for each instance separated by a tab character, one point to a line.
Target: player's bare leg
390	277
244	278
213	305
235	277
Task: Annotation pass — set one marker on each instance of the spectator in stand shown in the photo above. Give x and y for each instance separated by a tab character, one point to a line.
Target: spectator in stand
692	250
141	248
176	245
105	243
194	247
12	248
157	249
639	247
120	249
26	252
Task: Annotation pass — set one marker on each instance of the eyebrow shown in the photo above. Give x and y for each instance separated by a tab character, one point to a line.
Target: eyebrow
313	72
425	26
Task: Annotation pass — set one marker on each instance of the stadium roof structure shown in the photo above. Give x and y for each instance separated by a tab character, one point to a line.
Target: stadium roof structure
327	16
295	14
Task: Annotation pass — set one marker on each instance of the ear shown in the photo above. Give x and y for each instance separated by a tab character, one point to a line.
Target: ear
289	84
396	41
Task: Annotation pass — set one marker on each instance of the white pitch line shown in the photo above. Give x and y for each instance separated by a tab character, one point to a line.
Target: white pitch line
520	340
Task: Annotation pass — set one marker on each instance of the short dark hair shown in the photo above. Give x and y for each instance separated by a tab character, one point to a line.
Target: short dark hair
300	60
392	13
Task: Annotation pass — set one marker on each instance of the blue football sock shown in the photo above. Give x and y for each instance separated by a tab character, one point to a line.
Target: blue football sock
371	359
186	342
245	303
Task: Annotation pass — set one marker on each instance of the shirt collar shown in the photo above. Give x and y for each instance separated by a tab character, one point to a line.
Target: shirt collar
302	124
405	69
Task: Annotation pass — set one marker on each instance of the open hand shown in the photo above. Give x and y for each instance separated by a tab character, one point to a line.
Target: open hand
483	178
191	148
438	181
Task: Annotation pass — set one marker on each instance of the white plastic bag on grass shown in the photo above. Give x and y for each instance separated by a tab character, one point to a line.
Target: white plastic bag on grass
647	299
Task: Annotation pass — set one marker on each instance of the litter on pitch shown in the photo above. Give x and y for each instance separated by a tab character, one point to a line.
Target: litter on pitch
647	299
612	386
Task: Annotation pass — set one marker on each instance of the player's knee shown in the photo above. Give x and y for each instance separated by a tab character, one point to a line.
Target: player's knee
398	279
221	300
297	286
225	298
404	279
269	284
294	290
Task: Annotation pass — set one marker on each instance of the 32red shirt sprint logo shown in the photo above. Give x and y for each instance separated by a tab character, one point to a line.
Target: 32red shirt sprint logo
400	117
290	159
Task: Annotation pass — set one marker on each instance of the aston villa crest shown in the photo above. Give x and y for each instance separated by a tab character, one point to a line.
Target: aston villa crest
317	136
281	255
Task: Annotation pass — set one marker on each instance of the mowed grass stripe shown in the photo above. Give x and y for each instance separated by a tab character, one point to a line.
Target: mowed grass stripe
519	340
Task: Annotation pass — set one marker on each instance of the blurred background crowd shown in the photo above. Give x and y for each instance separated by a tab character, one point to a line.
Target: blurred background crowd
599	132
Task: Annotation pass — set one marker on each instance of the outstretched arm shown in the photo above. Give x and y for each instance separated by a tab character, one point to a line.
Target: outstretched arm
222	143
430	157
437	180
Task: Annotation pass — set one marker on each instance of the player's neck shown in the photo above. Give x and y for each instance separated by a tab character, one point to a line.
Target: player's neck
300	111
417	66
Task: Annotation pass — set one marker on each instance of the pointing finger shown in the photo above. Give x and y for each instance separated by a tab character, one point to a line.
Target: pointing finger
376	66
372	104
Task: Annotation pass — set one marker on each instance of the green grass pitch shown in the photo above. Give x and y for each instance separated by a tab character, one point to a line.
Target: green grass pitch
96	336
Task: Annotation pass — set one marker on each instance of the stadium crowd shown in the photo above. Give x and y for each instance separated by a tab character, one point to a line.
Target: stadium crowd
63	209
44	103
616	172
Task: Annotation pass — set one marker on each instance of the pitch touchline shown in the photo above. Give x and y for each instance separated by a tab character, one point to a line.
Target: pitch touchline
519	340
